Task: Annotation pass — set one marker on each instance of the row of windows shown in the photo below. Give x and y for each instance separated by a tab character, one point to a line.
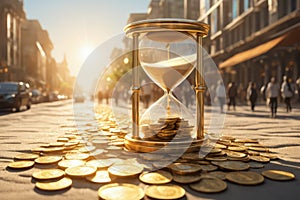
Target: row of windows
251	23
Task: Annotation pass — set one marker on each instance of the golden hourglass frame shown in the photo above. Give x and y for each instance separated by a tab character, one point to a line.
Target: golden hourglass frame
195	29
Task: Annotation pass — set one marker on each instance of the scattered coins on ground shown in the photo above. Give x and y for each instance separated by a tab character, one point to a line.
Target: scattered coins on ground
164	191
97	155
278	175
55	185
245	178
209	185
117	191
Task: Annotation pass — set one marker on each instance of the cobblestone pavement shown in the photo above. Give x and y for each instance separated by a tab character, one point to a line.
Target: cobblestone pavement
20	132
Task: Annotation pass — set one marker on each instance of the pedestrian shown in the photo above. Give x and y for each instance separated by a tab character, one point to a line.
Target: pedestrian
252	94
272	93
297	91
221	95
232	93
287	92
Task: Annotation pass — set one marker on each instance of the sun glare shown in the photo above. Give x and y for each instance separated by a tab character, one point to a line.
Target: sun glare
86	51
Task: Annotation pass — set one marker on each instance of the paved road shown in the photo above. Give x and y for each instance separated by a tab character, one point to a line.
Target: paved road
20	132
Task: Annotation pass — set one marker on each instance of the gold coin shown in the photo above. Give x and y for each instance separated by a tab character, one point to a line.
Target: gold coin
77	156
80	171
216	158
260	159
245	178
185	179
234	154
184	168
56	144
208	168
48	159
117	191
62	139
237	148
278	175
26	156
101	176
215	174
158	177
64	164
55	185
233	165
164	191
260	149
269	155
48	174
255	165
101	163
21	164
209	185
245	140
125	170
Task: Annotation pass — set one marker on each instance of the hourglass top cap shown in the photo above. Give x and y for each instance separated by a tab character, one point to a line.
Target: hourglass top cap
162	24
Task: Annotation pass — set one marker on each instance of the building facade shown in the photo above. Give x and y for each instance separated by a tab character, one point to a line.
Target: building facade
253	40
11	17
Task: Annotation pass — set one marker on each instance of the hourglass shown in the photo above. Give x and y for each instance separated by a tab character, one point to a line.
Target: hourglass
168	50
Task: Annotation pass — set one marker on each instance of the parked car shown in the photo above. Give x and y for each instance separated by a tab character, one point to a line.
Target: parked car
79	98
36	96
15	95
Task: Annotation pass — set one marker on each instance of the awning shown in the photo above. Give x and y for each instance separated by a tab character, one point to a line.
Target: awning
284	40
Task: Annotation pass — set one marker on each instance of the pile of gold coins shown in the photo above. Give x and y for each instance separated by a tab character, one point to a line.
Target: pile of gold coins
98	155
166	129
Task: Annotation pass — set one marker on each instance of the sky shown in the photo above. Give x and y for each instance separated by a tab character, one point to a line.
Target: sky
77	27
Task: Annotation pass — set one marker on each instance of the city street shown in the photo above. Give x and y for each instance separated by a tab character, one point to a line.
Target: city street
44	123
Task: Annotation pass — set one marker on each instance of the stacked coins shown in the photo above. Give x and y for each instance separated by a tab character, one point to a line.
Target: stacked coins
167	128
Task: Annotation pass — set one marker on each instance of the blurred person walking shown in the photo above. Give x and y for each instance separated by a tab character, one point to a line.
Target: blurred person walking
232	93
221	95
252	95
287	92
272	93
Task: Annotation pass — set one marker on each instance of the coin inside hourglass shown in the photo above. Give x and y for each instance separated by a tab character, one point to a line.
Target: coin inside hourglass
167	58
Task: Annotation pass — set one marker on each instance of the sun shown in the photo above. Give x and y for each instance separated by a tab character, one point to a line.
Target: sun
85	51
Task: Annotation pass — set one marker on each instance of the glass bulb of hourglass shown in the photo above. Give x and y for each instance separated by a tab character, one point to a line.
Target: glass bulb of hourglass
167	58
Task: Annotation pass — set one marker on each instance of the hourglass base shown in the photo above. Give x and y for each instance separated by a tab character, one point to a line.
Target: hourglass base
171	147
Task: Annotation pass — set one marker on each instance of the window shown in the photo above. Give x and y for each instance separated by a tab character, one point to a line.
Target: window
8	24
214	21
235	9
246	4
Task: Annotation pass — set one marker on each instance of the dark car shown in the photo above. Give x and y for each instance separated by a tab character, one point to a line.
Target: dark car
15	95
37	96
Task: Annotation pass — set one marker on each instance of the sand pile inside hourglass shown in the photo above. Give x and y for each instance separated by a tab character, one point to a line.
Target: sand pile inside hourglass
167	128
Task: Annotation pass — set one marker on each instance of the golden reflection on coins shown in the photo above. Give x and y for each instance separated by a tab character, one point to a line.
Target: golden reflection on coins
55	185
125	170
278	175
101	176
245	178
26	156
80	171
164	191
215	174
209	185
47	174
48	159
117	191
21	164
158	177
64	164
